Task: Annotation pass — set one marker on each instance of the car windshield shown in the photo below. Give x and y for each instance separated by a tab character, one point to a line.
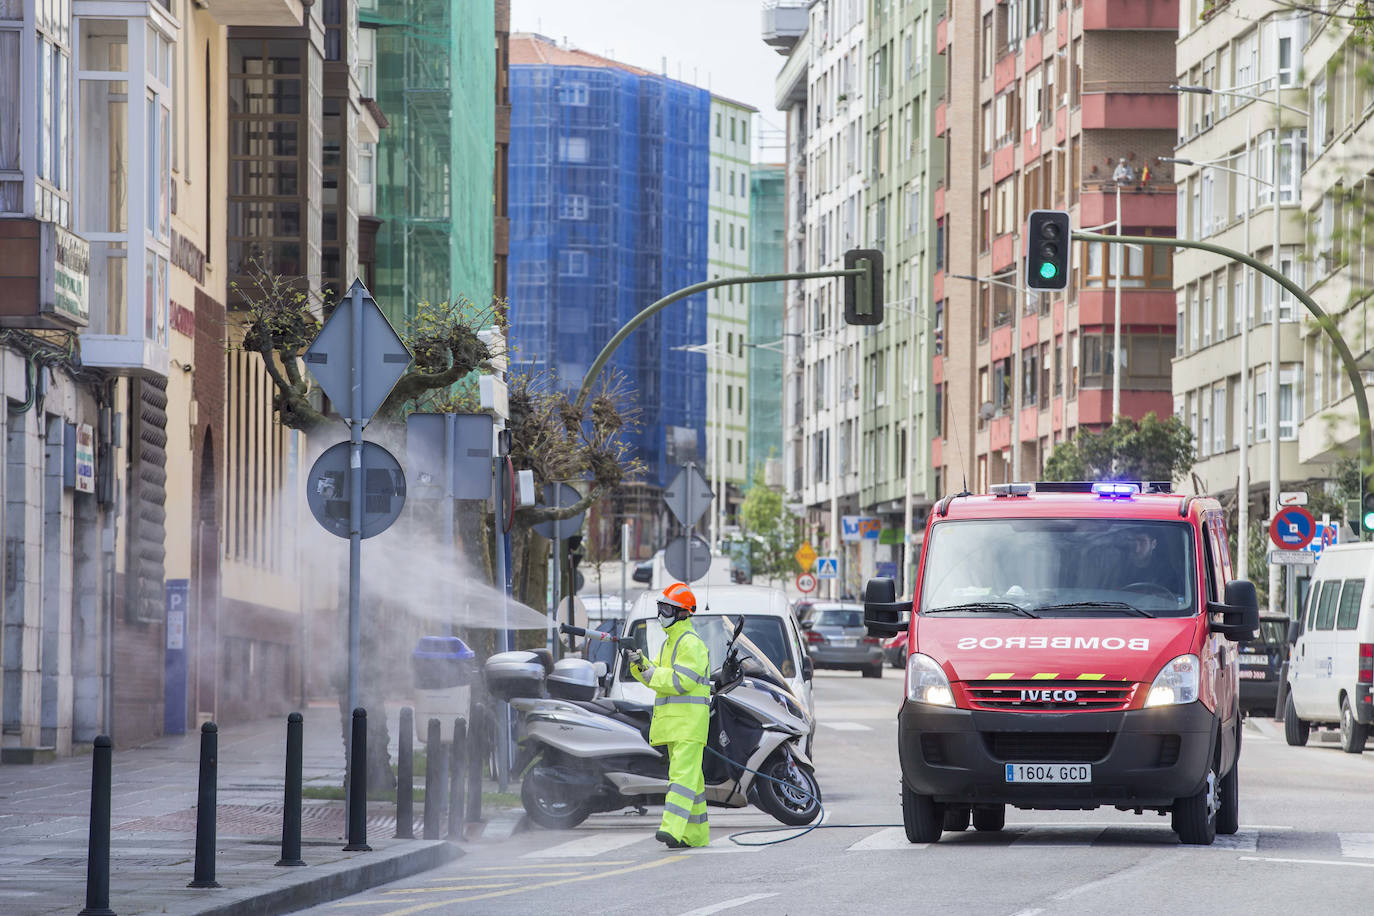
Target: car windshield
766	633
1059	567
838	617
1271	633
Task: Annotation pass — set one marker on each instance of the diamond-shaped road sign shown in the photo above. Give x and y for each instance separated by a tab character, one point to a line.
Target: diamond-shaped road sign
805	556
383	362
688	496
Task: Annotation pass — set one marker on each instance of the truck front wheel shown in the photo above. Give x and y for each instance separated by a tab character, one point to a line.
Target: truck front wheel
923	819
1195	817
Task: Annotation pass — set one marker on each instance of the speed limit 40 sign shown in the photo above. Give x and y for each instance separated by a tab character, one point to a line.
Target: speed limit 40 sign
806	582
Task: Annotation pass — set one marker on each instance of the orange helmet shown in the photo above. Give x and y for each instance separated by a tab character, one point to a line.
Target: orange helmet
678	595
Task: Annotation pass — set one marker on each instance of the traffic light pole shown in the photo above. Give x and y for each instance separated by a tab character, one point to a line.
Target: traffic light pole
602	358
1327	323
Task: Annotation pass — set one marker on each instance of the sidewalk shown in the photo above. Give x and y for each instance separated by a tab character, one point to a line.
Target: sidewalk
44	812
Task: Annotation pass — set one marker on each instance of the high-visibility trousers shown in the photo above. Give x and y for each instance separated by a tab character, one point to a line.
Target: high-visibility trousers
684	809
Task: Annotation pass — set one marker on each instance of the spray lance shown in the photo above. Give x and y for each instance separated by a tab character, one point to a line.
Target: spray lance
622	643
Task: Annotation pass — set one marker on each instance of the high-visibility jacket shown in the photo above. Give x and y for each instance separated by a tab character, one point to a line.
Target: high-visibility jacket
681	680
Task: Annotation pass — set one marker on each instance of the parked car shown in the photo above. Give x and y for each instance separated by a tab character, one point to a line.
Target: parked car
1261	666
837	638
1331	665
768	623
603	607
643	572
894	650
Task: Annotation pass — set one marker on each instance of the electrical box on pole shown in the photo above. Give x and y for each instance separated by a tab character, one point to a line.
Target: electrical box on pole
1047	249
863	293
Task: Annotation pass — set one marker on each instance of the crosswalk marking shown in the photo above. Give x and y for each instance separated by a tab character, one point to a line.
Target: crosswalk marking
1240	841
847	726
587	846
727	904
1357	845
889	838
1059	836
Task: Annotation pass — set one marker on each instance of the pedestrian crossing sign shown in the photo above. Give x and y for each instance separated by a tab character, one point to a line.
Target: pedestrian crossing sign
827	568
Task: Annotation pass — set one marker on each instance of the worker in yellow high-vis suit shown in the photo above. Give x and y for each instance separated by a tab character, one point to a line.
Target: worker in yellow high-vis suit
682	714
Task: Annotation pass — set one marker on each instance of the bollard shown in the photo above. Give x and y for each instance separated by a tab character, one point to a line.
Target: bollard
405	777
291	811
476	754
455	769
206	804
432	793
357	785
98	843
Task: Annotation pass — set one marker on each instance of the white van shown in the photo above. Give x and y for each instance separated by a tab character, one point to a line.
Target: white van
1331	665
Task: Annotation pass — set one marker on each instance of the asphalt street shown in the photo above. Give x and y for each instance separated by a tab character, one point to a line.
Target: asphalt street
1307	835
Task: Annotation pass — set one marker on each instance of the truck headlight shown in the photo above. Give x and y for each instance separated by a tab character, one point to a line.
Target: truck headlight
1177	682
926	681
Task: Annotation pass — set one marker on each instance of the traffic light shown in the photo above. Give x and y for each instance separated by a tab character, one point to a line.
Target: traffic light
1047	249
863	295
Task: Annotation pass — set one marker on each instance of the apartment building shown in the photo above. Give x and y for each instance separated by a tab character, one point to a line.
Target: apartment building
1072	111
727	318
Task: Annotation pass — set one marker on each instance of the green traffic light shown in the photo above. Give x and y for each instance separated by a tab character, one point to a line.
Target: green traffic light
1369	521
1048	271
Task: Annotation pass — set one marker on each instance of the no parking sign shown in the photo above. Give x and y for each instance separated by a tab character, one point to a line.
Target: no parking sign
1292	528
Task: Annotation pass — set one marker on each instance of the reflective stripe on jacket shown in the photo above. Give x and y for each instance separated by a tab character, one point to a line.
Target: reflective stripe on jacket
681	680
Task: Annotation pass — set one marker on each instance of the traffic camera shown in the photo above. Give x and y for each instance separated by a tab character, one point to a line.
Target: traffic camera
863	294
1047	249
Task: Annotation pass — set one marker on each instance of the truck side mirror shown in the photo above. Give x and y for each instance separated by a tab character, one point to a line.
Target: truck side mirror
884	615
808	668
1294	631
807	624
1239	613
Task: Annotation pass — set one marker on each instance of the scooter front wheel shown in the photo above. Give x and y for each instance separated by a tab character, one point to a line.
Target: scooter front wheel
792	794
548	807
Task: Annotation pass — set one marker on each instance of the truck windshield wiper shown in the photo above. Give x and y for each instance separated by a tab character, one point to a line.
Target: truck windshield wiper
983	607
1114	605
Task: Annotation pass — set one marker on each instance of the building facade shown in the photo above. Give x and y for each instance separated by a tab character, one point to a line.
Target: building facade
609	211
763	442
1073	112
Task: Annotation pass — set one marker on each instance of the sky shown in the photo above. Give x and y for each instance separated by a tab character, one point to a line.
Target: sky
714	44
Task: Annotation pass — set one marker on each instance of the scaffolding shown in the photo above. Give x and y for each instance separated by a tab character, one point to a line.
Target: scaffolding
437	86
608	207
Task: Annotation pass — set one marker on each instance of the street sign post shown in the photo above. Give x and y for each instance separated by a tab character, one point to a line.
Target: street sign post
1293	498
805	556
806	583
827	568
1292	528
357	358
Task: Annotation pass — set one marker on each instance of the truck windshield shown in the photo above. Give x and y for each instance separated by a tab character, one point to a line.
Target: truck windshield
1057	567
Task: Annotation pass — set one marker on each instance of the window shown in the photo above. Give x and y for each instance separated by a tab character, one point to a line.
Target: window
1320	136
572	149
1006	215
1030	374
985	221
1330	600
572	263
1246	57
1290	400
732	130
717	124
573	94
572	206
1144	266
989	131
1348	610
1219	424
1261	405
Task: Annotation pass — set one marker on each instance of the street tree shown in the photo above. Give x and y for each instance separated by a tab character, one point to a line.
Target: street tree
770	530
1150	449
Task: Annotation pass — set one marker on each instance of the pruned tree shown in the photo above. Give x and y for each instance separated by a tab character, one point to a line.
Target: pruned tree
1151	449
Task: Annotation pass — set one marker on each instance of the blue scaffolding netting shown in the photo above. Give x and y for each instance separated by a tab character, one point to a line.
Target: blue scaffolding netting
608	212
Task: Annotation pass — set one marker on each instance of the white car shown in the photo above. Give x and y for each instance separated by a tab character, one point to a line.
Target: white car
1331	665
768	623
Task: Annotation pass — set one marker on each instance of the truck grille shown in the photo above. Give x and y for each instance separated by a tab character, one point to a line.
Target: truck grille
1048	747
1050	696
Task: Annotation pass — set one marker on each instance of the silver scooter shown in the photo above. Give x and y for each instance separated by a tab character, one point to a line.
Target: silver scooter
582	756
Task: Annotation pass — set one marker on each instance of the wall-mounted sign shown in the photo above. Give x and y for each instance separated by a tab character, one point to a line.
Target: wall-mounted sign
67	271
183	320
188	257
85	458
859	528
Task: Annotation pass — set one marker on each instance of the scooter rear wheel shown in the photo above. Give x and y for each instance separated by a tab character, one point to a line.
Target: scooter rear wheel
548	811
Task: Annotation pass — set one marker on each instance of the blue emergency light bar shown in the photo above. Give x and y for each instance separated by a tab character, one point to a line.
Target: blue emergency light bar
1116	490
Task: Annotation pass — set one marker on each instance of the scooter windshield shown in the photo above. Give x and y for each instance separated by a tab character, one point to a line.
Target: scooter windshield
764	641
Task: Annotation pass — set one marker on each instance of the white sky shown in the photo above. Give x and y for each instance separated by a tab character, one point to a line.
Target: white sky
714	44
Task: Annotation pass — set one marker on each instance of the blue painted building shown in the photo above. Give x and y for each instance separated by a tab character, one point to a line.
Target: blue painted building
608	187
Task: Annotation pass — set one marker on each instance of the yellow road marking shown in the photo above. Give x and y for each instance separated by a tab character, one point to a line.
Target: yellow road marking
598	863
373	902
1045	676
448	887
1091	677
422	907
1001	677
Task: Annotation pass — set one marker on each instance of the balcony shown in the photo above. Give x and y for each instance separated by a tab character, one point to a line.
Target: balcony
1138	307
789	86
784	22
1130	111
1155	208
275	13
1130	15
